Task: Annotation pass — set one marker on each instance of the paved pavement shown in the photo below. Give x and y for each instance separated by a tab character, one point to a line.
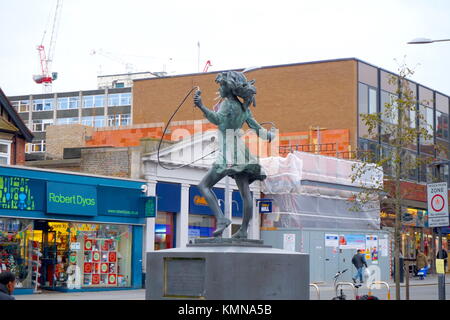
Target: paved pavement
419	290
136	294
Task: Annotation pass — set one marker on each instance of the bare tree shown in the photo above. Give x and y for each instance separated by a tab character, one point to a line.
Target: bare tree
398	126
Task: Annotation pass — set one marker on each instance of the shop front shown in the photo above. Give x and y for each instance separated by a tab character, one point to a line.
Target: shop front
201	222
62	231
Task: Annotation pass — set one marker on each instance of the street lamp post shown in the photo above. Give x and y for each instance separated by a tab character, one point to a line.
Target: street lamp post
425	41
441	277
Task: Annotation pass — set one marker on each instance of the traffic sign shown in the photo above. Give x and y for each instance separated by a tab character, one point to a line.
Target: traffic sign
437	198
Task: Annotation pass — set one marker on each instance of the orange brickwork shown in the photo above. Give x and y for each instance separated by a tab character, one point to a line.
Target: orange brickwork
130	137
330	142
295	97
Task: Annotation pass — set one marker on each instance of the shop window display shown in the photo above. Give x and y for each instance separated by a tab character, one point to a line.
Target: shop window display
103	254
78	255
201	226
15	251
164	227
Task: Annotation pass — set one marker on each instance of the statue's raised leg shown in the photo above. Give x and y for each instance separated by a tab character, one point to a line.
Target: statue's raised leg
205	186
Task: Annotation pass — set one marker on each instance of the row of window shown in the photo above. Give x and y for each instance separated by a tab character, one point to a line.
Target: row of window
410	170
37	146
64	103
94	121
436	123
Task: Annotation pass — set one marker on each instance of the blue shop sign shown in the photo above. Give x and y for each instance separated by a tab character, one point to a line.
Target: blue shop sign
199	205
123	202
73	199
265	206
237	205
169	196
17	193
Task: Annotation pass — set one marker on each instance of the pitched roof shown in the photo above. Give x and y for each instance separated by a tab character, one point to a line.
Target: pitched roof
17	122
7	126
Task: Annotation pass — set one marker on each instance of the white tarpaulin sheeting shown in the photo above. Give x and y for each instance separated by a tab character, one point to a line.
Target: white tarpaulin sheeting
324	202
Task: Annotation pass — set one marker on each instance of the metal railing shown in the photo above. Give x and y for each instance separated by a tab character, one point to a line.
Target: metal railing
346	284
326	149
317	289
383	283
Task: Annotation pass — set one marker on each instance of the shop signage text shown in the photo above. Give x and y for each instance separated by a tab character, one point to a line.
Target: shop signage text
74	199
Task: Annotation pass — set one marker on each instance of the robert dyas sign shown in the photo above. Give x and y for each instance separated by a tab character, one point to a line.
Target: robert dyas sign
66	198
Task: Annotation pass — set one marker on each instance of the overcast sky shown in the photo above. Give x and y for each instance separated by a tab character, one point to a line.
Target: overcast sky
163	35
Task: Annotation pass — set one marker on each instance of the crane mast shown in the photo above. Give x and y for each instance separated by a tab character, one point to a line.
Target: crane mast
46	77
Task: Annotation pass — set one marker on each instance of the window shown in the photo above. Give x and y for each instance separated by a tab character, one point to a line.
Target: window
68	103
37	146
61	121
41	125
119	99
21	106
389	115
119	120
5	152
16	236
43	105
98	121
94	101
367	104
441	125
426	145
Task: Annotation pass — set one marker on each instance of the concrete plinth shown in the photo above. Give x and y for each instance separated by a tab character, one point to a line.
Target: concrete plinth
220	271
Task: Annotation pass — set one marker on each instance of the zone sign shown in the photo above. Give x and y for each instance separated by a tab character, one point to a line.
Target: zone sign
437	196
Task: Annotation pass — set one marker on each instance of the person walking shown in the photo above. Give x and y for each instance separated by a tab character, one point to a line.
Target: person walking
359	261
7	284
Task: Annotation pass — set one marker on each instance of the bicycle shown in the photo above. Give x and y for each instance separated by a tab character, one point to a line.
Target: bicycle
342	296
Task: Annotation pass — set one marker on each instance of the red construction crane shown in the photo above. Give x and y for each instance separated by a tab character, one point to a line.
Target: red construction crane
207	65
46	77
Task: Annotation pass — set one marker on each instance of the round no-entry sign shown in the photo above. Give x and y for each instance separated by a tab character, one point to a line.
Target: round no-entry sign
437	202
437	195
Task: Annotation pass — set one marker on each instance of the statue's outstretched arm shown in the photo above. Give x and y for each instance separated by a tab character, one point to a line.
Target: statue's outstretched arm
210	115
260	131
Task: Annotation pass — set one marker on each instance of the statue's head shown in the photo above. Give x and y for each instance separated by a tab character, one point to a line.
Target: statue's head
237	84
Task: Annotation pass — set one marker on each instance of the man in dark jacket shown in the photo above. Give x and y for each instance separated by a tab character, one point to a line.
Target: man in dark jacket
359	261
7	284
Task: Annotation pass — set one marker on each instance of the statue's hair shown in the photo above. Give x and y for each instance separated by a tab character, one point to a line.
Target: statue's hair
239	86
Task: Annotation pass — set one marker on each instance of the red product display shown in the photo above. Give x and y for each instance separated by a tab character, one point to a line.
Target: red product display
112	256
95	279
96	256
104	268
88	244
112	279
87	267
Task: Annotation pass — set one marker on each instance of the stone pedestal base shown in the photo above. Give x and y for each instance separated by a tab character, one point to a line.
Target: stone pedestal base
227	271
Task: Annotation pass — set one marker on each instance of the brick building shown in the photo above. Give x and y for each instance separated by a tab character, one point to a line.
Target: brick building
330	95
13	134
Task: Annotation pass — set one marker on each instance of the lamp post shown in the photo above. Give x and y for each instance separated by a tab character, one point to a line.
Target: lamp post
441	277
425	41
